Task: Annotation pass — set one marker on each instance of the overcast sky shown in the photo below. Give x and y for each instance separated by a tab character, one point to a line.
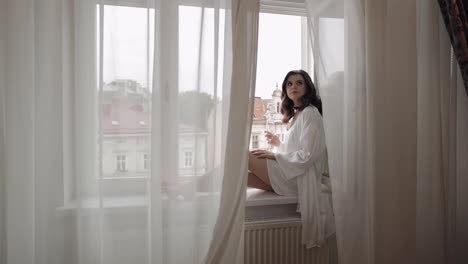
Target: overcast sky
125	46
279	51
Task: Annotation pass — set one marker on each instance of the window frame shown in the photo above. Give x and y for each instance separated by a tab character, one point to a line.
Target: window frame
146	162
288	7
294	8
121	163
255	141
291	8
188	159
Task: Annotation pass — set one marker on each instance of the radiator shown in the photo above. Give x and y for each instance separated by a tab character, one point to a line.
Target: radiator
279	242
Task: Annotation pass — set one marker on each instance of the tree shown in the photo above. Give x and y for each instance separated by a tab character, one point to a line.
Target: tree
194	108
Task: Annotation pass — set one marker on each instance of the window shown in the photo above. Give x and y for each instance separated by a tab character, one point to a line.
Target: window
124	49
255	141
282	46
188	159
121	163
125	36
145	161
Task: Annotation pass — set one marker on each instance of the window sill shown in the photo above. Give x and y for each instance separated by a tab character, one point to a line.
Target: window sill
256	197
262	205
128	202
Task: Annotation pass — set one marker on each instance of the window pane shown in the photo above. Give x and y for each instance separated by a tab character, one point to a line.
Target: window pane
124	97
280	49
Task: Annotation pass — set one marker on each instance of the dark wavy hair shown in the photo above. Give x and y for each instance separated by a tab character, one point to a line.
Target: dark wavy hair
310	97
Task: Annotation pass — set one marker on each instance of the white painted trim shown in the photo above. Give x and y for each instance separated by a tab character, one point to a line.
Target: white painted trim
256	197
284	7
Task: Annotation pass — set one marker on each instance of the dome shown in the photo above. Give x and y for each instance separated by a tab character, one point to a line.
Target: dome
277	92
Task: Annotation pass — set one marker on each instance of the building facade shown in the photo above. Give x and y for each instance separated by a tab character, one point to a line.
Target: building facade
125	126
267	117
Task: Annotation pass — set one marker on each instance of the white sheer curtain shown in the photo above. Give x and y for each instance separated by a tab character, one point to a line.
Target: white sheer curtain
115	125
227	245
442	181
395	114
2	132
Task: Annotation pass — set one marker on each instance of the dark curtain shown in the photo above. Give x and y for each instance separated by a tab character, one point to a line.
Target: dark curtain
455	18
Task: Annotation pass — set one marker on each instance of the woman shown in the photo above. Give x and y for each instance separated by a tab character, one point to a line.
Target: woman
304	144
296	167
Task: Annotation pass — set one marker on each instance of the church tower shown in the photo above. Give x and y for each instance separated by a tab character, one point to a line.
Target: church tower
276	100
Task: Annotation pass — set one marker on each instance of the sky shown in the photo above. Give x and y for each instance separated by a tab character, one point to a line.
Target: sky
126	47
279	51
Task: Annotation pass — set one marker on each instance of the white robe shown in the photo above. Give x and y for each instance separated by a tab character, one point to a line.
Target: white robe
297	170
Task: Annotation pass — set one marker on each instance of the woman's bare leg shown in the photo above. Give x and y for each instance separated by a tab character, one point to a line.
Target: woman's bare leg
254	182
259	168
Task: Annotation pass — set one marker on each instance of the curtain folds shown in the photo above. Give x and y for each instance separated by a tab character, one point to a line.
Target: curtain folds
454	14
227	244
437	89
122	141
394	126
115	127
2	133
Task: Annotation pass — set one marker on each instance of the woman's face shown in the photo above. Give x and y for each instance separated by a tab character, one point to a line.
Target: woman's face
295	88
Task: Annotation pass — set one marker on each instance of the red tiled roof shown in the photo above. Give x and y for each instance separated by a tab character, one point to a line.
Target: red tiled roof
260	107
124	118
131	118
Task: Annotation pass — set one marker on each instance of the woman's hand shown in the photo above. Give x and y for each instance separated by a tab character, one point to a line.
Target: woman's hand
272	139
263	154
